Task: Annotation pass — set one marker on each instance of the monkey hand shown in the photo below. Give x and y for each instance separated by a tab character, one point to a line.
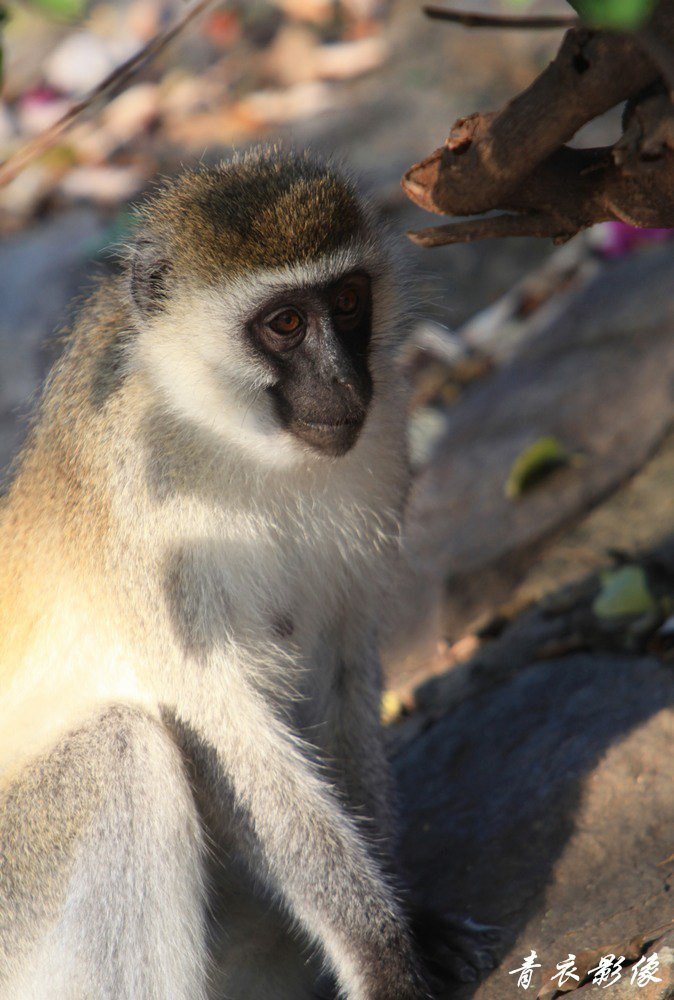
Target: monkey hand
454	950
397	976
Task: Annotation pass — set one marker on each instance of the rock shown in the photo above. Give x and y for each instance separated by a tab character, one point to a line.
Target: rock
78	63
50	257
19	198
542	803
315	11
364	9
132	111
7	126
291	59
598	379
295	57
107	185
344	60
303	100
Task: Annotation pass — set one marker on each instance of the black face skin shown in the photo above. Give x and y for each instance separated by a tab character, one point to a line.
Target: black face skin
317	342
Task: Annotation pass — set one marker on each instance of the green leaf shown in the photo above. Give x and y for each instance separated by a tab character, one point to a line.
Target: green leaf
620	15
624	593
66	10
534	464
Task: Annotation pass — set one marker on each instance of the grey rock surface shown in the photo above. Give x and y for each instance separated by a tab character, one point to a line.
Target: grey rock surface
41	271
598	378
544	803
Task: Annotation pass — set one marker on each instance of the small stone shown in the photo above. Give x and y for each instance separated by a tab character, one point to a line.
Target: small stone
105	185
132	111
79	63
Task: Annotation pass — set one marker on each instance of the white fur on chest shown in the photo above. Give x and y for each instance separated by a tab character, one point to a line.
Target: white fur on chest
289	562
283	589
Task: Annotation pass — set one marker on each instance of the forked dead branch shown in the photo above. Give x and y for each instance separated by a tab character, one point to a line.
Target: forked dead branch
516	162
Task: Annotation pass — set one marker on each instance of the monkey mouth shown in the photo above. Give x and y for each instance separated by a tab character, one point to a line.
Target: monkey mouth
331	438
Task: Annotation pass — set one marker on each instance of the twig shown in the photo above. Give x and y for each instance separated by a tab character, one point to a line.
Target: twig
116	80
487	155
471	19
631	181
515	160
494	227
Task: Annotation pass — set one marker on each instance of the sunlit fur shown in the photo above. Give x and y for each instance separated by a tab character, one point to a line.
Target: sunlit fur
161	533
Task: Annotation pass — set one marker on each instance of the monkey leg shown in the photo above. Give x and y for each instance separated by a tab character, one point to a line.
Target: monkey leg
101	885
257	951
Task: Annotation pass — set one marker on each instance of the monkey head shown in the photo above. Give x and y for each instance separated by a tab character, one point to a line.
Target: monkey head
264	304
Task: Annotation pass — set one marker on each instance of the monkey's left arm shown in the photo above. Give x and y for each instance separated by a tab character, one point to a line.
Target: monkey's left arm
453	949
360	747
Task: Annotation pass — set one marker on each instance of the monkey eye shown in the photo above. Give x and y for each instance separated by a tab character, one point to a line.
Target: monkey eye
286	322
347	301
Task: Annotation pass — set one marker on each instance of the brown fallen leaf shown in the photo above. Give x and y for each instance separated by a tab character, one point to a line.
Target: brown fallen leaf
550	650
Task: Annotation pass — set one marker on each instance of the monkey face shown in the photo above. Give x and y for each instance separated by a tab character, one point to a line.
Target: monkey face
288	365
267	311
316	341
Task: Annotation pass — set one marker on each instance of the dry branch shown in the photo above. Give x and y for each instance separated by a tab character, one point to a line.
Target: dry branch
471	19
116	81
487	155
515	160
493	227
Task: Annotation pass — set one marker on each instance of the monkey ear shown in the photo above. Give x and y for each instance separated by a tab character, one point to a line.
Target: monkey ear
149	270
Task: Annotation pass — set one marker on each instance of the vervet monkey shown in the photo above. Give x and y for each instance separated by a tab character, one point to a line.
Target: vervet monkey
194	560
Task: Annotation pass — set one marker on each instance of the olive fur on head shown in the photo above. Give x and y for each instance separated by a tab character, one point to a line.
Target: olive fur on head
261	210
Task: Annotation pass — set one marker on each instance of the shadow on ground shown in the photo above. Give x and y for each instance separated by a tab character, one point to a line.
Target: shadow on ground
538	796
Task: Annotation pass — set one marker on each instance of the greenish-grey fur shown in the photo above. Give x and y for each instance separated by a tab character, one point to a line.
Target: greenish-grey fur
252	213
156	546
80	813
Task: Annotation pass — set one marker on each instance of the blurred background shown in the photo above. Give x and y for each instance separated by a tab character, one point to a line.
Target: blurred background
538	607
